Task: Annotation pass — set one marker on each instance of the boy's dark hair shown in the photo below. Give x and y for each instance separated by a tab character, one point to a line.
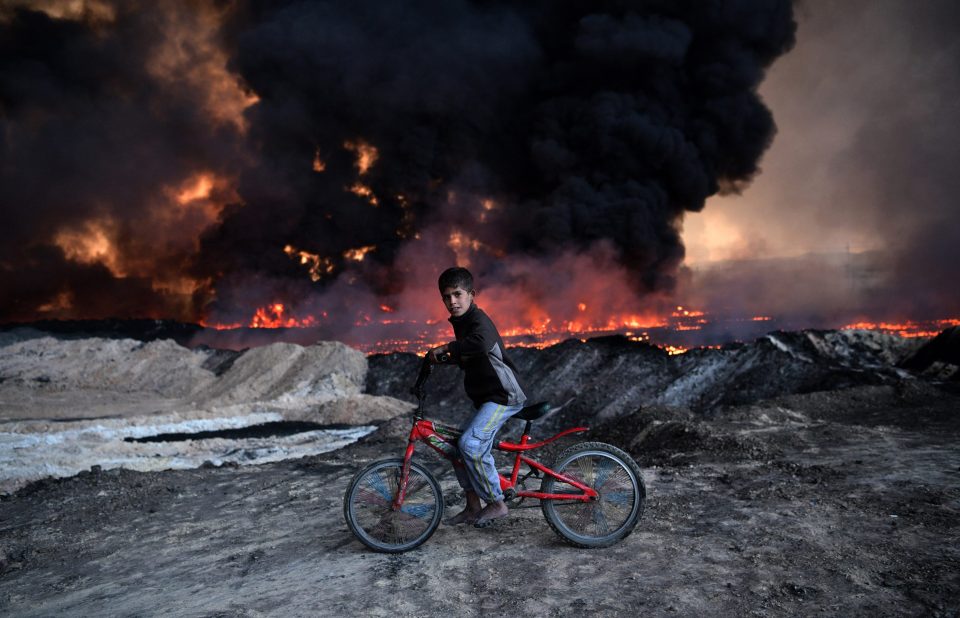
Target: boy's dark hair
456	277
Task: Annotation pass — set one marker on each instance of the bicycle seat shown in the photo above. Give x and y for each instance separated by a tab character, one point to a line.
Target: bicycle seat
533	412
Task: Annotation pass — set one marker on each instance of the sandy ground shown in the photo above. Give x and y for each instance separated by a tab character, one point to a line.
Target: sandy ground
844	503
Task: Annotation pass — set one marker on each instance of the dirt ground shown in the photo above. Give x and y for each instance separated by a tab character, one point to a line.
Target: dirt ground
841	503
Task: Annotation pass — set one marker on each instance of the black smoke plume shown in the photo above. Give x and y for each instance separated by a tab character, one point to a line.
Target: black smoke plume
99	120
535	129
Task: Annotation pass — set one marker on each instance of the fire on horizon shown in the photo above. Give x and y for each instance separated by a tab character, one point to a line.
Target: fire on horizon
213	164
419	336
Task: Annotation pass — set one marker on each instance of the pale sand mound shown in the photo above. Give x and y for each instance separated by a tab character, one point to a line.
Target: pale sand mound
49	365
67	405
286	374
48	379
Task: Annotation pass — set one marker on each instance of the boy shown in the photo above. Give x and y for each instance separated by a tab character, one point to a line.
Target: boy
491	382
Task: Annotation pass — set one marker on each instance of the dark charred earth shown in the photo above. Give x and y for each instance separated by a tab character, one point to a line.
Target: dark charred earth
800	474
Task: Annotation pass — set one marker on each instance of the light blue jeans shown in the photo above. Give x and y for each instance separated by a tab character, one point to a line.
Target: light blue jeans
479	471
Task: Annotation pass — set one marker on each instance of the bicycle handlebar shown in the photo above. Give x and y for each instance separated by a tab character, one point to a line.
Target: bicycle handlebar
426	368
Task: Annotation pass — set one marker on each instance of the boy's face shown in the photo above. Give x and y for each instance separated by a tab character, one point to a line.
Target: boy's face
457	300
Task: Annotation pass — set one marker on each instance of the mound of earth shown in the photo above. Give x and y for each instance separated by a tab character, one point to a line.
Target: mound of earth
939	358
605	378
53	375
68	404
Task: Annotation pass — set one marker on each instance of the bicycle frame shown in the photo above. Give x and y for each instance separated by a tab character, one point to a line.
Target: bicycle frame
442	439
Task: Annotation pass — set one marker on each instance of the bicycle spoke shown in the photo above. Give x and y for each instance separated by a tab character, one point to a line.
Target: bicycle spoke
620	499
418	510
399	530
604	468
600	520
367	497
586	470
379	530
415	484
584	516
379	484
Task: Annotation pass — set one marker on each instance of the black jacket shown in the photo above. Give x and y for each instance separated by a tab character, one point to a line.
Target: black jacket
488	373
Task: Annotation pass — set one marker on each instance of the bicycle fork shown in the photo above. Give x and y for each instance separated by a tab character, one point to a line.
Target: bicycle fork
404	476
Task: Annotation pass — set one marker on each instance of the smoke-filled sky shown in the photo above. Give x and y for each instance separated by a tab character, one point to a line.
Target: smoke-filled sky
199	160
867	107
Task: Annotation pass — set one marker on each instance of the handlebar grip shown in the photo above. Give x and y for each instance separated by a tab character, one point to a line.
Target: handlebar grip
425	369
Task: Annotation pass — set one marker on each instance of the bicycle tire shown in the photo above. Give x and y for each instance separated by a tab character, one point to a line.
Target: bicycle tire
367	506
615	475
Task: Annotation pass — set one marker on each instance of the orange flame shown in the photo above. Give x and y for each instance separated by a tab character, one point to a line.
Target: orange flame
191	58
366	153
462	246
486	205
908	328
318	164
92	11
319	265
362	190
60	303
91	244
197	188
359	253
274	316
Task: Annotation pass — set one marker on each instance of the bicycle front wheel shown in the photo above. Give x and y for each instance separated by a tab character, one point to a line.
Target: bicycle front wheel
368	506
612	516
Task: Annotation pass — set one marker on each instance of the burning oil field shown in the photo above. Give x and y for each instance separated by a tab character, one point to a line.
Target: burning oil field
722	234
292	164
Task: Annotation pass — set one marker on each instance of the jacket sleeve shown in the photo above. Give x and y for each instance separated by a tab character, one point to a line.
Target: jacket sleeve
476	343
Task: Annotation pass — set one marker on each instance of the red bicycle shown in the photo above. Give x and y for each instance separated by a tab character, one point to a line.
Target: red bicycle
593	496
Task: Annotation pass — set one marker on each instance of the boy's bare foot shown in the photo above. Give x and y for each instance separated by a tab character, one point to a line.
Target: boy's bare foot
466	516
491	512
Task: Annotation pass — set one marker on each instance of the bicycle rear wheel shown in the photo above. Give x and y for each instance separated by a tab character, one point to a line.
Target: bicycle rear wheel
368	506
611	517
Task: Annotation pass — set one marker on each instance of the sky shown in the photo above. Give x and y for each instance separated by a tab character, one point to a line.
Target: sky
867	107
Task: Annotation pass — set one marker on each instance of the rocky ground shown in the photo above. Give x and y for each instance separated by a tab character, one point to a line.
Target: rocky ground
843	502
804	473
